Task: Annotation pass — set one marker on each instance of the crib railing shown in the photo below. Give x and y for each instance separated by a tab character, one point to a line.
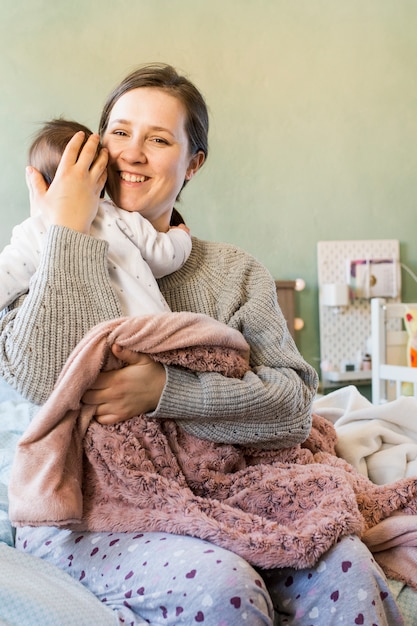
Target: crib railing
391	376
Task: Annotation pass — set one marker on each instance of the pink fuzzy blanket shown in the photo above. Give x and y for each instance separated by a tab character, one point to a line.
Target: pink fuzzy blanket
275	508
393	543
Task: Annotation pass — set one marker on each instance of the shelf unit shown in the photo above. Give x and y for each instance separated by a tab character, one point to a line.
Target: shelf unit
345	332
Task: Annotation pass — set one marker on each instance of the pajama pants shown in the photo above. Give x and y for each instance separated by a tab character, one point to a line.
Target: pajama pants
158	578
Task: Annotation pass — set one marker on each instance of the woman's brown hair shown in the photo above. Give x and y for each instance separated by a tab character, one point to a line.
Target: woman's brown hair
166	77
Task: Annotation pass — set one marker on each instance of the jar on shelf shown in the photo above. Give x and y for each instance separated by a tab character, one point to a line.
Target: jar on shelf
366	362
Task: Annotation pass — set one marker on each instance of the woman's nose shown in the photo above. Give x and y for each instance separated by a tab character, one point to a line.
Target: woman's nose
134	151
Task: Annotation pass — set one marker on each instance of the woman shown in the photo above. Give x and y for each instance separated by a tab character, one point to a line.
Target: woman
154	131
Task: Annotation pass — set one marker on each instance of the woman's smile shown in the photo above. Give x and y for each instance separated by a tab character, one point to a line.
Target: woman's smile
133	178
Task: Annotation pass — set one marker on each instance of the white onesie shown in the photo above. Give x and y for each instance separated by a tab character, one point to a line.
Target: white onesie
138	254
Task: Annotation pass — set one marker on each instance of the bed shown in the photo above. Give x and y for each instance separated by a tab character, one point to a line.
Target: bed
379	438
35	593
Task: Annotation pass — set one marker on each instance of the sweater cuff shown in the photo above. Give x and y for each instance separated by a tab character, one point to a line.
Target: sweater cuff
70	249
176	398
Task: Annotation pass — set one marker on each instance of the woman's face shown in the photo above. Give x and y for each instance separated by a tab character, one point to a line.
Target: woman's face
148	153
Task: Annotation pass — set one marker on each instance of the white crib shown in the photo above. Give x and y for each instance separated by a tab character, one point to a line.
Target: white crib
389	351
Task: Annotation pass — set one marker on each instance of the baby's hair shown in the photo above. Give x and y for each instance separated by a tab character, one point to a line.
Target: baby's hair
49	143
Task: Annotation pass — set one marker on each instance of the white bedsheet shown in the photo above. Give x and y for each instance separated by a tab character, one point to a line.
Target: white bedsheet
380	441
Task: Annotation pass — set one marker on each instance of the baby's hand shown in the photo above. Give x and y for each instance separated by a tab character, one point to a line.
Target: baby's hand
182	227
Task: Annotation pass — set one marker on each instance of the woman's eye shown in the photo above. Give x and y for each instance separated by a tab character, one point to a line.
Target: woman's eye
120	133
159	140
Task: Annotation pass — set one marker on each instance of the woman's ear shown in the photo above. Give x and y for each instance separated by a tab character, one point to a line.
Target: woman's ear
196	162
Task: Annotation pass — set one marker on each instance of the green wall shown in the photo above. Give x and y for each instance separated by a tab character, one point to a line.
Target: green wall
313	114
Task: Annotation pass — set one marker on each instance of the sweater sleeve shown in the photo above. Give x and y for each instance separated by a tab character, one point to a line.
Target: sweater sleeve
271	405
69	293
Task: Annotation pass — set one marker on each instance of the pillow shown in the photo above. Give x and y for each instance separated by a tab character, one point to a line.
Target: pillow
36	593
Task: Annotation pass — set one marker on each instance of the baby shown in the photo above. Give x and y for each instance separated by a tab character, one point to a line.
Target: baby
138	253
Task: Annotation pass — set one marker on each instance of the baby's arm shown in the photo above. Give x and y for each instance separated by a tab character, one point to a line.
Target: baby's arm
170	252
163	252
182	227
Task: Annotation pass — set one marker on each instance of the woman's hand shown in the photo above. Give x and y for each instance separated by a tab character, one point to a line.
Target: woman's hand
121	394
73	196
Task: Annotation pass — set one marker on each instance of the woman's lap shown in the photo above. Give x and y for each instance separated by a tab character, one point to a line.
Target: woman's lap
345	587
157	578
170	579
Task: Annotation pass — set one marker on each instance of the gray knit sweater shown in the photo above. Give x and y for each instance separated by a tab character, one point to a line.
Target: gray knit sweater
71	292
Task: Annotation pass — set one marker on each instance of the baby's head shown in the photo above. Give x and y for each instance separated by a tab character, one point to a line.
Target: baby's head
46	150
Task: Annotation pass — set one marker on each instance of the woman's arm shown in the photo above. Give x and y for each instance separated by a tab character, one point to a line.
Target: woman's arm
69	293
271	406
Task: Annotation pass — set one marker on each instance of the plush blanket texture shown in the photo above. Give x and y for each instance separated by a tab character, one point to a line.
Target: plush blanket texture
274	508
